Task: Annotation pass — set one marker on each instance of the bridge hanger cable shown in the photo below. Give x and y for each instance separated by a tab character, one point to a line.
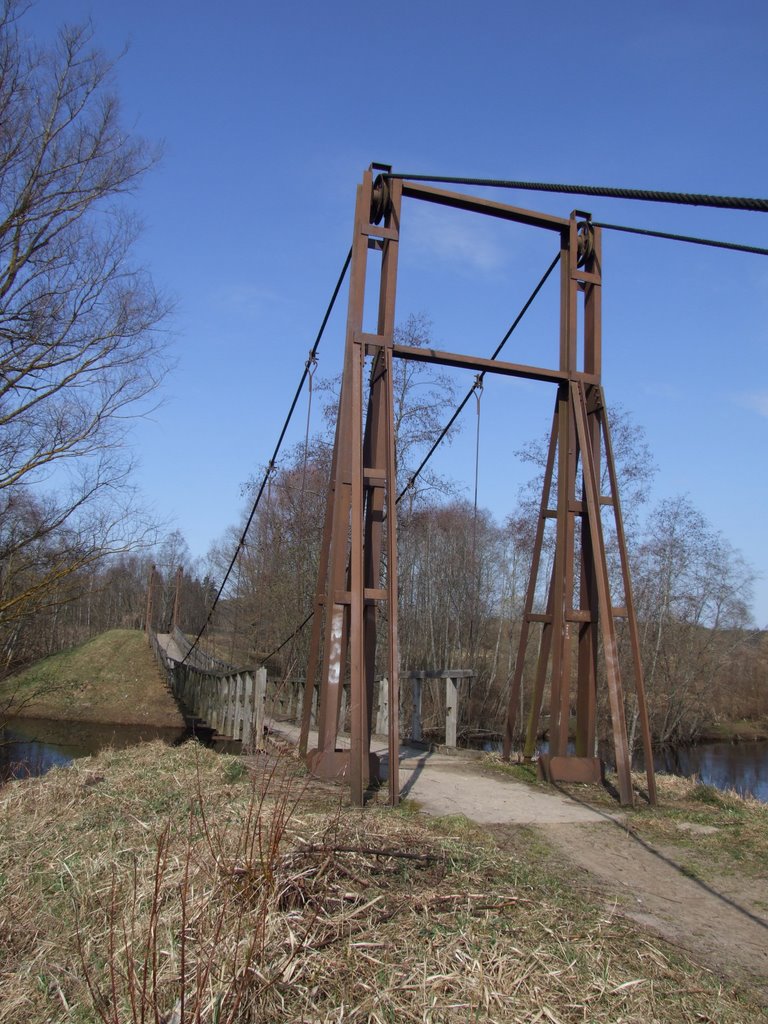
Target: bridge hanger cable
755	205
478	389
308	367
478	383
311	366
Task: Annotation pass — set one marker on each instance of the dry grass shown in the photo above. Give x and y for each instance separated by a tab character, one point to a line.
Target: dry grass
722	831
171	885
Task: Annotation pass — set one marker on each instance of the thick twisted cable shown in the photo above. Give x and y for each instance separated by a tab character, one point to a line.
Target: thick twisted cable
755	205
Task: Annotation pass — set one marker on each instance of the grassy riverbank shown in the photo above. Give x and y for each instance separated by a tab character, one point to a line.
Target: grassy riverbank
159	883
112	679
736	731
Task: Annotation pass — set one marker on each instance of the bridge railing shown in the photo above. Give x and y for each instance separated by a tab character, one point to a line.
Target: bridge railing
162	659
199	657
230	701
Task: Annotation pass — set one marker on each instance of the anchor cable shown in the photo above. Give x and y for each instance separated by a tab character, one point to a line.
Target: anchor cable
288	638
308	367
713	243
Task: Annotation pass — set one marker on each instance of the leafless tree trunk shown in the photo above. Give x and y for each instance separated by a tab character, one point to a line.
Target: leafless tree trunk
80	348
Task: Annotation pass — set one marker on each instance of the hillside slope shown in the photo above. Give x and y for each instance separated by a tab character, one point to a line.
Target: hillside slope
112	678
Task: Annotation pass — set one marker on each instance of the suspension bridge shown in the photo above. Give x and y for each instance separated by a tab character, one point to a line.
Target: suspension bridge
571	638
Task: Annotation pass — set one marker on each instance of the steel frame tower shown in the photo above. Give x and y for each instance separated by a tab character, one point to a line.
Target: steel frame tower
358	569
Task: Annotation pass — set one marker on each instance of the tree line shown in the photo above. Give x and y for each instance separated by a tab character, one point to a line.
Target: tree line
463	576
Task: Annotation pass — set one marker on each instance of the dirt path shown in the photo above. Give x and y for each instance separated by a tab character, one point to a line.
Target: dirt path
720	925
642	882
647	885
168	643
441	784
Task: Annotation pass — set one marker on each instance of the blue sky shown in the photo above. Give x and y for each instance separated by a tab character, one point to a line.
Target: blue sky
269	115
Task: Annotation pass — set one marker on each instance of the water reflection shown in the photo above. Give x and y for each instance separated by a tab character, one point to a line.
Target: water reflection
739	766
32	746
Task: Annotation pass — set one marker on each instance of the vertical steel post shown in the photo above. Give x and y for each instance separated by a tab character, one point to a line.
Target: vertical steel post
634	637
360	501
586	692
578	432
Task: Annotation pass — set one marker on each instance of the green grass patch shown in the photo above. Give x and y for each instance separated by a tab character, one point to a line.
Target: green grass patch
716	832
522	771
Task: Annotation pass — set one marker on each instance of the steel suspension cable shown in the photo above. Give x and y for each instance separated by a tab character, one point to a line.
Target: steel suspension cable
713	243
480	377
755	205
271	464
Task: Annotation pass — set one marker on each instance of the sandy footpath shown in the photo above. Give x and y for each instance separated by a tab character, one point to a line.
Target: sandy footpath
725	927
725	933
440	785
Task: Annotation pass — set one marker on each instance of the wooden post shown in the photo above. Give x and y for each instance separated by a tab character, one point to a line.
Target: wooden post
176	618
451	710
416	696
150	601
298	696
382	713
231	695
259	696
237	723
247	709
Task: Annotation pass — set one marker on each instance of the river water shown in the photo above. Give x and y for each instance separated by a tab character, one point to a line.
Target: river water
32	746
740	766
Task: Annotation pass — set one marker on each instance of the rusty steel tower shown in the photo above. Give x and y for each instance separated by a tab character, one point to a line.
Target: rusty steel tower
578	640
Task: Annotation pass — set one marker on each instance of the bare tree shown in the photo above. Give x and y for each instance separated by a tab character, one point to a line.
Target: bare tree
693	598
80	347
